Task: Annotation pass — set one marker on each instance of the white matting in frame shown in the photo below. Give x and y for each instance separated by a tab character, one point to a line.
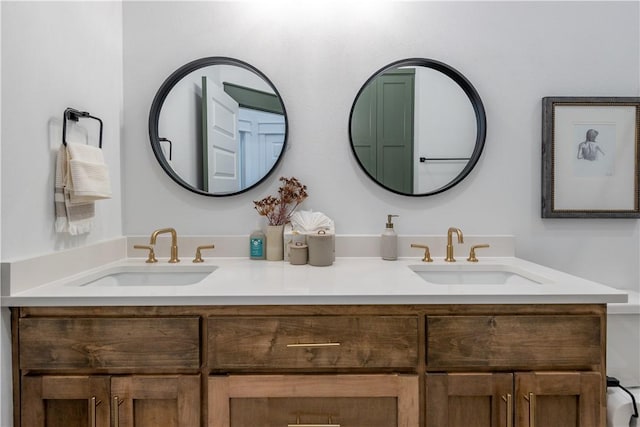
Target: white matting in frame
590	157
594	158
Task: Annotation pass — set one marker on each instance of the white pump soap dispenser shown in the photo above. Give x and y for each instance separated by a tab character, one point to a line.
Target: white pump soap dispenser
389	241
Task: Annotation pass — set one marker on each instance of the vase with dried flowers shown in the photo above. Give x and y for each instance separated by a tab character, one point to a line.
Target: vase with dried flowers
278	210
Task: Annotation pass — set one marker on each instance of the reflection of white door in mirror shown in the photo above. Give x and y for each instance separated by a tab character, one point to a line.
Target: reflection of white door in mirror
220	139
261	139
198	109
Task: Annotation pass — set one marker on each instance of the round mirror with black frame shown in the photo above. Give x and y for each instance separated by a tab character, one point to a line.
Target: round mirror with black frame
417	127
218	126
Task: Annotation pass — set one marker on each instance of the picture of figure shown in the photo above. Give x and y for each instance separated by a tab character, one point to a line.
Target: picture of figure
589	148
596	152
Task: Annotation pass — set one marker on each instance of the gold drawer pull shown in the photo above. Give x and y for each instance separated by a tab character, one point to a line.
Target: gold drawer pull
313	345
509	401
93	402
330	423
532	408
116	411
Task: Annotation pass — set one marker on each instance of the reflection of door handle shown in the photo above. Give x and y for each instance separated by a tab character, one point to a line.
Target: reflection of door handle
441	159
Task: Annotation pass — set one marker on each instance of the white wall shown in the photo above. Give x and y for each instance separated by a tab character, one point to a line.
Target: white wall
5	329
318	55
54	55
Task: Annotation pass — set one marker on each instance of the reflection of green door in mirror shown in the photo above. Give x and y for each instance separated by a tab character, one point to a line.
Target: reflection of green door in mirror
254	99
382	129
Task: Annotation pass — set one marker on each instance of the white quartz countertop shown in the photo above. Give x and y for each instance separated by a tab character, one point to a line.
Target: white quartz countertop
241	281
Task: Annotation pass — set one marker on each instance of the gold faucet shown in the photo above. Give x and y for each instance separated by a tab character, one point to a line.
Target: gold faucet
174	242
199	249
152	255
472	252
427	253
450	232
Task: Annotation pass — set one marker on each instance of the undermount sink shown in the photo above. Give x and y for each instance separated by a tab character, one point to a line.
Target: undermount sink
147	276
476	275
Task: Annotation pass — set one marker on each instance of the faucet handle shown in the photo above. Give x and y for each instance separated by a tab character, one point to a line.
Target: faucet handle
199	249
152	255
427	253
472	252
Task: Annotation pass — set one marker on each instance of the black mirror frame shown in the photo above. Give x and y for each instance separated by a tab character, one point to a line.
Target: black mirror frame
163	92
469	90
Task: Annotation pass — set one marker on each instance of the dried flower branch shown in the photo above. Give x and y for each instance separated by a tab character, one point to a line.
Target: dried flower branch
278	210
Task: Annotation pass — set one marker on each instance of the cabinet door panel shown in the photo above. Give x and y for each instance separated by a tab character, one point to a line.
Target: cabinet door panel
551	399
151	401
284	411
514	342
127	343
312	399
469	400
334	342
65	401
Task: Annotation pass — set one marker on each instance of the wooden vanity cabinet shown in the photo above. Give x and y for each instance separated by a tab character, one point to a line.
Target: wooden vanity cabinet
103	401
78	368
469	399
530	370
559	399
314	400
525	399
363	347
313	343
65	401
374	365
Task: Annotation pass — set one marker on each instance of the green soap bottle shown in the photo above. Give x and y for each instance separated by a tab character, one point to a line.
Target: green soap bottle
257	249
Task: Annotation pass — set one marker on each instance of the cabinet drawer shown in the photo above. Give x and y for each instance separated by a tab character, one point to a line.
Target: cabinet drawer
321	342
318	400
123	343
514	342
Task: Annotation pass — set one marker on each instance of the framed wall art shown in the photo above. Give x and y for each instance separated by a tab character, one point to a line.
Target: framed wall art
590	153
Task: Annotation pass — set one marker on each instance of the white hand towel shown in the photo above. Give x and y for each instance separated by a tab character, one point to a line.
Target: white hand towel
88	174
72	218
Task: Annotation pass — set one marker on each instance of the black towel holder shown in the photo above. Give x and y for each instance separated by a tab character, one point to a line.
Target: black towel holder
74	115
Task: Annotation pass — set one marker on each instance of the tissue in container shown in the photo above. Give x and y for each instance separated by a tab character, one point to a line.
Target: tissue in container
304	223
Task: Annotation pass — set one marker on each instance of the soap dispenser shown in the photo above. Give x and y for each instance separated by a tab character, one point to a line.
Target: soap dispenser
389	241
257	246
